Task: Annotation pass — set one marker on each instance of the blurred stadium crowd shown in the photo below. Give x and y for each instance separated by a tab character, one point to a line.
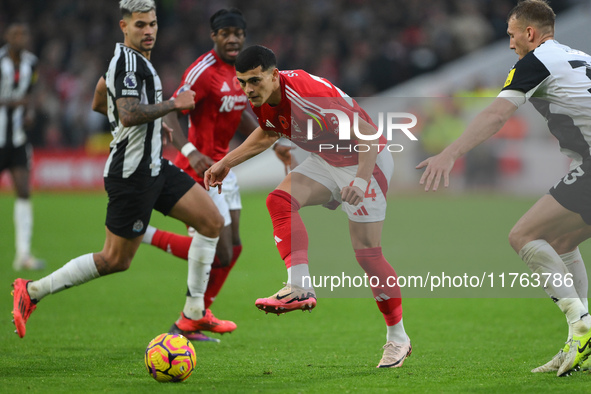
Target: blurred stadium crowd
363	46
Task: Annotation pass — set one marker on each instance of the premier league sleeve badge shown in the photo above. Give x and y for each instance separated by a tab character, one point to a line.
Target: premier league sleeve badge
130	81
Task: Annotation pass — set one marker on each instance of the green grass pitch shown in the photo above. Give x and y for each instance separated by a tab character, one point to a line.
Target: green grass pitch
92	338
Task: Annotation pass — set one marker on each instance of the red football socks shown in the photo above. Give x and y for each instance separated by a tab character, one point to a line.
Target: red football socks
176	244
289	231
218	276
388	297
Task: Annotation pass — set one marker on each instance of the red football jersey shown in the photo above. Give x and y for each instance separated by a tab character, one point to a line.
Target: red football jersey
304	97
219	102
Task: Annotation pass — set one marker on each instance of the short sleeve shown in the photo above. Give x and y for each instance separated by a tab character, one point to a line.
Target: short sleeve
128	84
516	97
527	74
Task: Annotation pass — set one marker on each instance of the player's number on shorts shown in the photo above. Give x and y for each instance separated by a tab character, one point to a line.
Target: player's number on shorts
369	193
572	176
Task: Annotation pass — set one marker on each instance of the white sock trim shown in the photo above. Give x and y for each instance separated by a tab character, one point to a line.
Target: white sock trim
149	235
396	333
297	273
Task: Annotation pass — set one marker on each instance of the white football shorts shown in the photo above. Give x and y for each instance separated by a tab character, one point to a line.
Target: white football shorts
229	199
373	206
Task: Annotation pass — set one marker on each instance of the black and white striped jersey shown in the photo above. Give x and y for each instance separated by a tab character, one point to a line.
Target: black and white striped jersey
134	149
15	84
557	81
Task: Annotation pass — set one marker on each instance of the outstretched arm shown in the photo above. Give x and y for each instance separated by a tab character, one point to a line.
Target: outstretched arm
482	127
258	141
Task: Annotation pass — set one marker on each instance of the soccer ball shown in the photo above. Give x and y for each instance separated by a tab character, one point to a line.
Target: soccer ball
170	358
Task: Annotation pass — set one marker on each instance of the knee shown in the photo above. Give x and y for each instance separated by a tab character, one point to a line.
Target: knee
217	223
211	226
517	239
279	200
281	206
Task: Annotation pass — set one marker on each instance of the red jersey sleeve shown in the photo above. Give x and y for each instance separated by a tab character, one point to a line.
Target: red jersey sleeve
195	78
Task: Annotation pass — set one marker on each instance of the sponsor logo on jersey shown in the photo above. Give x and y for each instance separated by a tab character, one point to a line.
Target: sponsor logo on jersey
231	103
269	124
130	81
509	78
225	87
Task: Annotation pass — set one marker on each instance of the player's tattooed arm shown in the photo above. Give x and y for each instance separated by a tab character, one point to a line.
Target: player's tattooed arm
132	113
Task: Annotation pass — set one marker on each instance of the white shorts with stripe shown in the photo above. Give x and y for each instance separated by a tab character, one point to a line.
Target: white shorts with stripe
229	199
373	206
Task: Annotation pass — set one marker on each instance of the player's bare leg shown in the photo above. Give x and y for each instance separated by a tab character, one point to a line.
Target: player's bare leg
291	238
547	221
197	210
366	241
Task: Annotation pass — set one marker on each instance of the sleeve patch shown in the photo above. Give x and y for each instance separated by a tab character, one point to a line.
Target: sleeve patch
527	75
129	92
130	80
509	78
